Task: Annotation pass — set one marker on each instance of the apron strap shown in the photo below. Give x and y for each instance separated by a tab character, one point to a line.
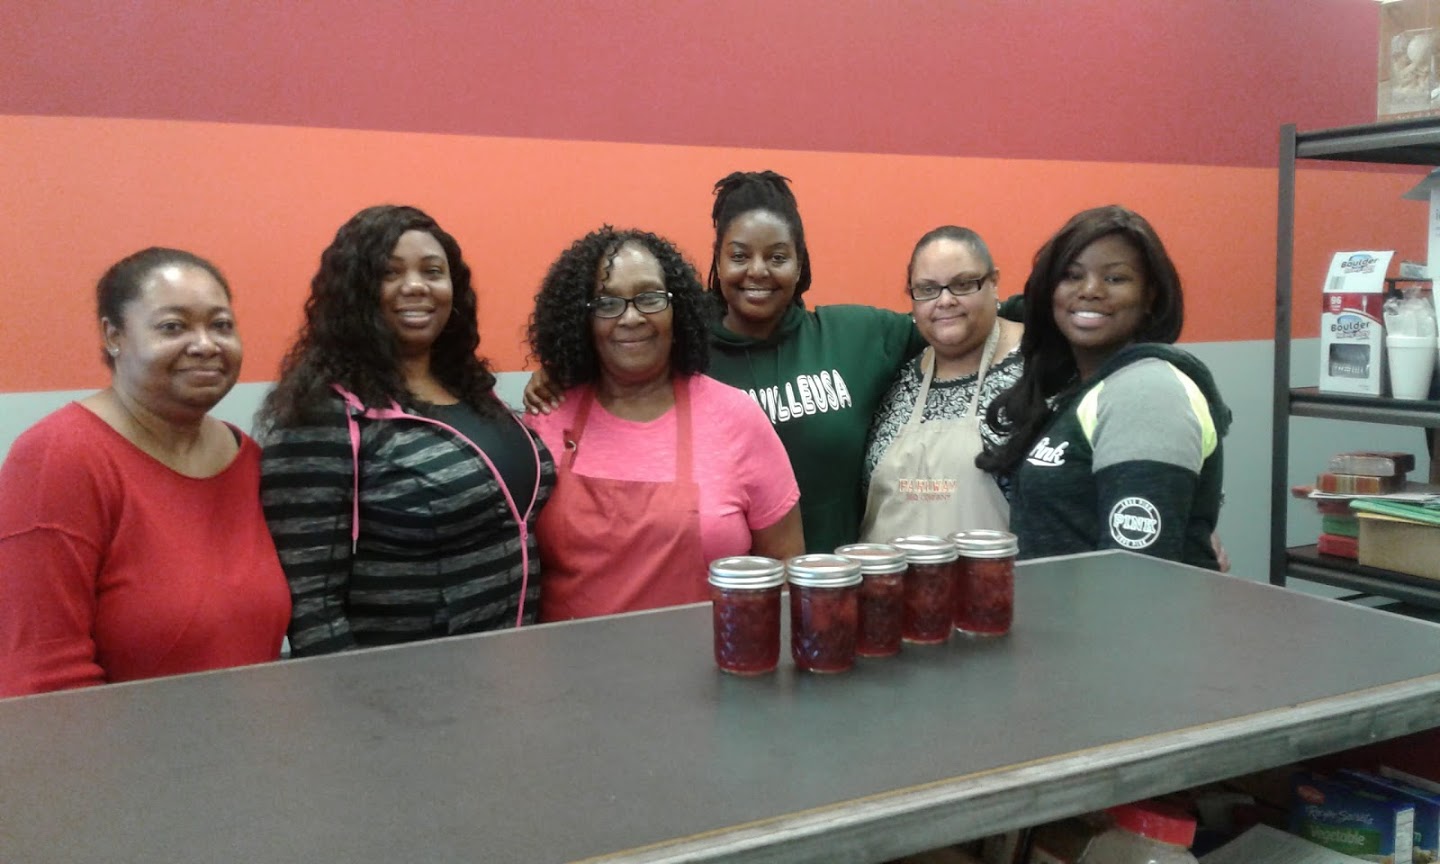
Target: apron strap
684	448
684	461
927	373
986	358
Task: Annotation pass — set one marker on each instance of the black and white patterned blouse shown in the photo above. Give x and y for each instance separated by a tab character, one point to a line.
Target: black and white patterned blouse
948	400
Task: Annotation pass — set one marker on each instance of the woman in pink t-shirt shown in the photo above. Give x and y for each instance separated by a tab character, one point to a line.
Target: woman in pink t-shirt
661	469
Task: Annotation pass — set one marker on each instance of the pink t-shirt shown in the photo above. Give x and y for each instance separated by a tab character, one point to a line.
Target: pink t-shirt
746	483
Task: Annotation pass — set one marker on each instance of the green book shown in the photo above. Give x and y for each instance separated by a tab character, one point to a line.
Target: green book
1412	512
1341	526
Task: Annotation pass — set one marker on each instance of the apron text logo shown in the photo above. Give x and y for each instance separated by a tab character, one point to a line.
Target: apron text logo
920	489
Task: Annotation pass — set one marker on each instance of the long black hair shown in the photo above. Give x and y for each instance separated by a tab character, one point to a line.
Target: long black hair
560	335
742	192
1023	411
346	340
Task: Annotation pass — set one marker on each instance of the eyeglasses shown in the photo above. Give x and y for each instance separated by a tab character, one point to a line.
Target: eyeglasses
960	287
646	302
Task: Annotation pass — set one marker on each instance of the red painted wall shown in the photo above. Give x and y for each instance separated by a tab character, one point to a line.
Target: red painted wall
1180	81
249	132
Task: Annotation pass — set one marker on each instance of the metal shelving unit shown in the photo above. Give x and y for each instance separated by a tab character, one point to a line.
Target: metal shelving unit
1407	142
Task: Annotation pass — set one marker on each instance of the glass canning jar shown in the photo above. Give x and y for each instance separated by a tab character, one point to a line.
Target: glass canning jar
929	587
745	604
882	596
1144	832
985	582
824	611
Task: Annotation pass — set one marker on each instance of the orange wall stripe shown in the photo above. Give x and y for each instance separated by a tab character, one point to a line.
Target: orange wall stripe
263	201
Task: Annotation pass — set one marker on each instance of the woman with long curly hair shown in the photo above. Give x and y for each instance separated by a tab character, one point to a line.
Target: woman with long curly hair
400	491
1113	434
664	469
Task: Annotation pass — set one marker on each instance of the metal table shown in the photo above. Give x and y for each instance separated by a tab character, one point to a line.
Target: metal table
617	738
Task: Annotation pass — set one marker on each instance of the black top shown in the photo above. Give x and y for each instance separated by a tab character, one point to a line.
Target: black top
506	442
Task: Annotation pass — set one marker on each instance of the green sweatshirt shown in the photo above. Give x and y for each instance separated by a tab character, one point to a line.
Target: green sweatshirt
820	376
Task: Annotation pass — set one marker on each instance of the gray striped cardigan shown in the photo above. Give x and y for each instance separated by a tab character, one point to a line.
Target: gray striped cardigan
437	550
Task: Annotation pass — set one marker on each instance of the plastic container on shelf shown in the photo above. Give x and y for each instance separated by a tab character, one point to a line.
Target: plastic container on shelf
985	582
929	587
824	611
1144	832
745	607
882	596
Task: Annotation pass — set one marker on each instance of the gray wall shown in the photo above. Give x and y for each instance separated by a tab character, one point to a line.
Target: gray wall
1242	369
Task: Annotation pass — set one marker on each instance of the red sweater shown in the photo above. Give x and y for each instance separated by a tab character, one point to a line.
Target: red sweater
115	567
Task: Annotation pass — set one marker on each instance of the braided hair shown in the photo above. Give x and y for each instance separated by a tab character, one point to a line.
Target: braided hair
742	192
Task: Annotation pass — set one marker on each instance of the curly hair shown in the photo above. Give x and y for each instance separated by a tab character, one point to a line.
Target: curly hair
346	340
742	192
1023	411
560	334
123	281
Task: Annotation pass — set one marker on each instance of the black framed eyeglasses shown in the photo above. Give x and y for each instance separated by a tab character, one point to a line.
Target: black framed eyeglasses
646	302
959	287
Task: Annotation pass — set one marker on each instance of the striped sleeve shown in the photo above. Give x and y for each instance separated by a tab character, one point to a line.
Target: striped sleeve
307	477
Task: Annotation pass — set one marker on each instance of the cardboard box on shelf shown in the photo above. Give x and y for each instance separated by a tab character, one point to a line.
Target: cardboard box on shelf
1351	820
1409	70
1265	845
1352	332
1399	545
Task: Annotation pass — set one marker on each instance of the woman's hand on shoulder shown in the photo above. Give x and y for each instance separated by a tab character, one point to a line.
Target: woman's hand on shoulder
540	397
1011	333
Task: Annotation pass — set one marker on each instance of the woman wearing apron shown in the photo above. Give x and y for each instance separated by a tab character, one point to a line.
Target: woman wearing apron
931	426
660	468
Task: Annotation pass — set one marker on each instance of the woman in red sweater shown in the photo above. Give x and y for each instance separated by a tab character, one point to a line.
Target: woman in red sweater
132	544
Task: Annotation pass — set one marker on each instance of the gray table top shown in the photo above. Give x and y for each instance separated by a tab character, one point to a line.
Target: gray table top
1124	677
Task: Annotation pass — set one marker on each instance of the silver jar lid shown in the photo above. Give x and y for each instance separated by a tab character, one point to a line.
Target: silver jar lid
823	571
874	557
985	543
747	571
926	549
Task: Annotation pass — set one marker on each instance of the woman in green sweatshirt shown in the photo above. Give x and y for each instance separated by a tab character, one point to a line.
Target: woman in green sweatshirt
819	374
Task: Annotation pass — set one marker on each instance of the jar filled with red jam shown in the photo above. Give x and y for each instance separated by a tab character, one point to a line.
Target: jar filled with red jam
745	602
882	596
929	581
985	582
824	611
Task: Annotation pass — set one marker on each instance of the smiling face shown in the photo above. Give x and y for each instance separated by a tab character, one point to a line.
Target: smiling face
1102	300
415	292
758	267
176	350
954	326
635	347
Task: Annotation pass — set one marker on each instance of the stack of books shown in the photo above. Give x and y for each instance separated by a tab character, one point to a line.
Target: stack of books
1355	474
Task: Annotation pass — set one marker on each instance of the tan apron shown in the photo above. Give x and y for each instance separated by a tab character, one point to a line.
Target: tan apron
927	482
